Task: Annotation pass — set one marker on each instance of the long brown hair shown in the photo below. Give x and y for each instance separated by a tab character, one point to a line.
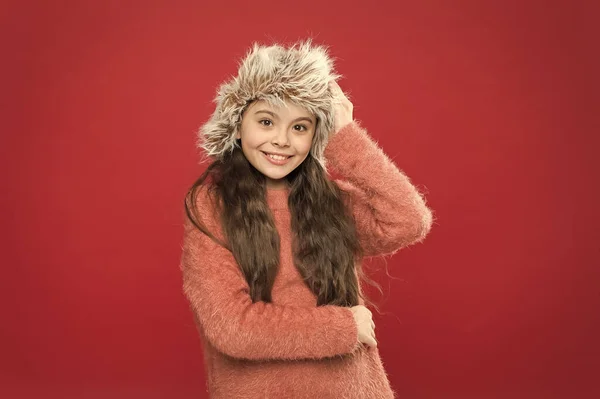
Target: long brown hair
325	246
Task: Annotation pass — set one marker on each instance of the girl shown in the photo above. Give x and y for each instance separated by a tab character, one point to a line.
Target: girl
272	247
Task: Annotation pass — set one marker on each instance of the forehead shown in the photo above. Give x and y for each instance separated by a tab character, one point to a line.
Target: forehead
288	110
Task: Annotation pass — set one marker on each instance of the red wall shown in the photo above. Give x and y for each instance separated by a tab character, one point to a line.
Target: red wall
486	105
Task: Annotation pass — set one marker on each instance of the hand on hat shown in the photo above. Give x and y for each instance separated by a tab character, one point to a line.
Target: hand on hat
343	107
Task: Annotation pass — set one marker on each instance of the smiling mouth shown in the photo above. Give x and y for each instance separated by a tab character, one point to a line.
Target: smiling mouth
277	157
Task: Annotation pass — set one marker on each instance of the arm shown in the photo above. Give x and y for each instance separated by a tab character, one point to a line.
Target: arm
389	211
219	297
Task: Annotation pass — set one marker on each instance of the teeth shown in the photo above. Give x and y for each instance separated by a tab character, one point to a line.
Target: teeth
276	157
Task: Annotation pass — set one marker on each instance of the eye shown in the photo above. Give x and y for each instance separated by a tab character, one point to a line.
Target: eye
266	122
300	128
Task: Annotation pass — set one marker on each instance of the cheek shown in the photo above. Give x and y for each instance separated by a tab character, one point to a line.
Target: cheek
304	144
249	139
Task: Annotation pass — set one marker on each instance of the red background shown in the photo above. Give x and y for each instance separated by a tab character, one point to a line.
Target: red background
486	105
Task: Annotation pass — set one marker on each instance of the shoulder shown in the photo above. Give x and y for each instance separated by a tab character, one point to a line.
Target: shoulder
207	202
206	208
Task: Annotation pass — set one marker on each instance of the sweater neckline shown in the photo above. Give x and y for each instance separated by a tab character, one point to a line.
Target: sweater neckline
277	198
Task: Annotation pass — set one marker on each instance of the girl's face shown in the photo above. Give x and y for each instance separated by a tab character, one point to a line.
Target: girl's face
276	140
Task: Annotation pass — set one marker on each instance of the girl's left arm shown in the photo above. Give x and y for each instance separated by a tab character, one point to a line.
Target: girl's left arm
389	211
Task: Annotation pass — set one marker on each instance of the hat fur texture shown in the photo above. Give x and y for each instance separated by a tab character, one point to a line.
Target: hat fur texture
300	73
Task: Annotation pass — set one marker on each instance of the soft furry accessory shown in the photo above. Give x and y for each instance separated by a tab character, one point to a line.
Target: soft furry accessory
300	73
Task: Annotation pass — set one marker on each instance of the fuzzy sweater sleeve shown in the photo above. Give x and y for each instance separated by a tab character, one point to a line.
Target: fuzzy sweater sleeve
389	211
219	297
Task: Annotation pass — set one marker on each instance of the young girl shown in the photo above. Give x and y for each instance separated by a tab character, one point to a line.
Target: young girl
272	247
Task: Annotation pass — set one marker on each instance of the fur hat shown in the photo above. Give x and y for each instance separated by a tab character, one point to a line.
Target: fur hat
300	73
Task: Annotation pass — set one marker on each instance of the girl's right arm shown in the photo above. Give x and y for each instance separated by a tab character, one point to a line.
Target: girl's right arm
219	297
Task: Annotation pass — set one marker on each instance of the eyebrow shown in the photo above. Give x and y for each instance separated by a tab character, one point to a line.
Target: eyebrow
264	111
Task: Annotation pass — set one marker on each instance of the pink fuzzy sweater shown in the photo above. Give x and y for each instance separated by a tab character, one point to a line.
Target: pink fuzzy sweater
291	348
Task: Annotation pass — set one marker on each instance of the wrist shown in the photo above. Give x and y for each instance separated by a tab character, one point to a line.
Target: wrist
342	125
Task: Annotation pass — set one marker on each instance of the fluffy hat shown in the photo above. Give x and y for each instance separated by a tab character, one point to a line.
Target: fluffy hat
300	73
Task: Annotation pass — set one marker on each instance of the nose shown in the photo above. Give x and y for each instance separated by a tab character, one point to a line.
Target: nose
280	138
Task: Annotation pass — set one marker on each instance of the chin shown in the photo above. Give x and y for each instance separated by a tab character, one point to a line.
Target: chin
276	176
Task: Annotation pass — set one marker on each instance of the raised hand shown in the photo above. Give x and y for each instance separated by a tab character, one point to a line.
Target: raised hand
343	107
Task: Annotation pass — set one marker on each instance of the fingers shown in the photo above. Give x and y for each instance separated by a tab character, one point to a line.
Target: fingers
373	338
368	338
371	341
337	90
335	86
